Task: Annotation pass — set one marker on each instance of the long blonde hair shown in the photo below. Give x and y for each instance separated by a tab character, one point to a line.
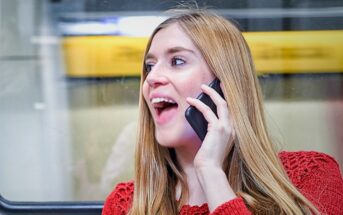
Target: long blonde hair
253	168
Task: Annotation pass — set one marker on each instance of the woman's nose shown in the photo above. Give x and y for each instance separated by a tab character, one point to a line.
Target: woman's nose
156	78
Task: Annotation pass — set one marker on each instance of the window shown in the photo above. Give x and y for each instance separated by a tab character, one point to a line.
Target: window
70	83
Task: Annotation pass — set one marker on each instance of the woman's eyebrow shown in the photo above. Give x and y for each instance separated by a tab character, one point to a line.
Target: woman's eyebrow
170	51
179	49
149	56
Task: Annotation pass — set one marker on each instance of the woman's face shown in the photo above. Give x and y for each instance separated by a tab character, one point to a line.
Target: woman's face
176	70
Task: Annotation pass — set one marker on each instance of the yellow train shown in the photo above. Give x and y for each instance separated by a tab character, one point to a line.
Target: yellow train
276	52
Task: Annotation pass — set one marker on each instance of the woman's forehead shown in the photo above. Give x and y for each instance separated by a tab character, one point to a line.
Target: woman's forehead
171	38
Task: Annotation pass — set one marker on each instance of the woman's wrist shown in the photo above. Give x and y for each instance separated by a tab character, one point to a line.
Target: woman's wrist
215	185
209	169
209	174
202	165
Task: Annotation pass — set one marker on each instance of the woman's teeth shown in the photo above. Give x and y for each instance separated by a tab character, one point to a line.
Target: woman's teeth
158	100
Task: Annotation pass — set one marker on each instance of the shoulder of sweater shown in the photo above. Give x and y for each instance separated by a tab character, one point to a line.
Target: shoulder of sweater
127	186
123	192
124	188
302	164
305	158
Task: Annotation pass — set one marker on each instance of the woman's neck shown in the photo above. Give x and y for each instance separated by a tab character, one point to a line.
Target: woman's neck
185	154
185	157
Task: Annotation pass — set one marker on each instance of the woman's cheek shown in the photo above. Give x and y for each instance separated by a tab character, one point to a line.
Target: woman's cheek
145	92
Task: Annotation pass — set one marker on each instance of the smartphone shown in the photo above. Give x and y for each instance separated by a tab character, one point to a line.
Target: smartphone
195	118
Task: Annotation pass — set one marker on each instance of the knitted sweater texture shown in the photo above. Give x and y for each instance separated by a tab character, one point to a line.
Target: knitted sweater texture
316	175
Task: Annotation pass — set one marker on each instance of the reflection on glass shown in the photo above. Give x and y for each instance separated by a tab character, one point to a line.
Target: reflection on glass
69	87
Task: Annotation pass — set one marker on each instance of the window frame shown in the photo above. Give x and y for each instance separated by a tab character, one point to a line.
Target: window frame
8	207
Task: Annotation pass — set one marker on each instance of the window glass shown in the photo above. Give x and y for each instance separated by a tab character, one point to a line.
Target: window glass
69	86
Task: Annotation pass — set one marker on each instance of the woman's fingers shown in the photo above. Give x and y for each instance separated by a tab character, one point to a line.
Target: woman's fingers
222	109
203	108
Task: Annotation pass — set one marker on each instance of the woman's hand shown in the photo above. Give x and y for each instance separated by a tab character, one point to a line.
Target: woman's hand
220	133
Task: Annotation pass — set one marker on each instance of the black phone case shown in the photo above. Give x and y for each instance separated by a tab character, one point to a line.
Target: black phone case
195	118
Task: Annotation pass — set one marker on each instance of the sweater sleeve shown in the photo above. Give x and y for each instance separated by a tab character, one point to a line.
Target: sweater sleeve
318	177
235	207
120	200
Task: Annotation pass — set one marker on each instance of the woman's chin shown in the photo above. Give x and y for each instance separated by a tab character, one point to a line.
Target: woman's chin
170	141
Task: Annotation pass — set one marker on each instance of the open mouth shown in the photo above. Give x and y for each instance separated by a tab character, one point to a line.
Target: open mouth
163	105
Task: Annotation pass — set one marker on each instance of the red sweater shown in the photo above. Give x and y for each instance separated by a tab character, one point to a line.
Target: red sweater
316	175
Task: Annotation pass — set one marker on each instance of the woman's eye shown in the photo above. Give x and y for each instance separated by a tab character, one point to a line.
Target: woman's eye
148	67
177	61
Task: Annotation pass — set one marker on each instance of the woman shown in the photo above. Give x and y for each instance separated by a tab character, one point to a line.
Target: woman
235	170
